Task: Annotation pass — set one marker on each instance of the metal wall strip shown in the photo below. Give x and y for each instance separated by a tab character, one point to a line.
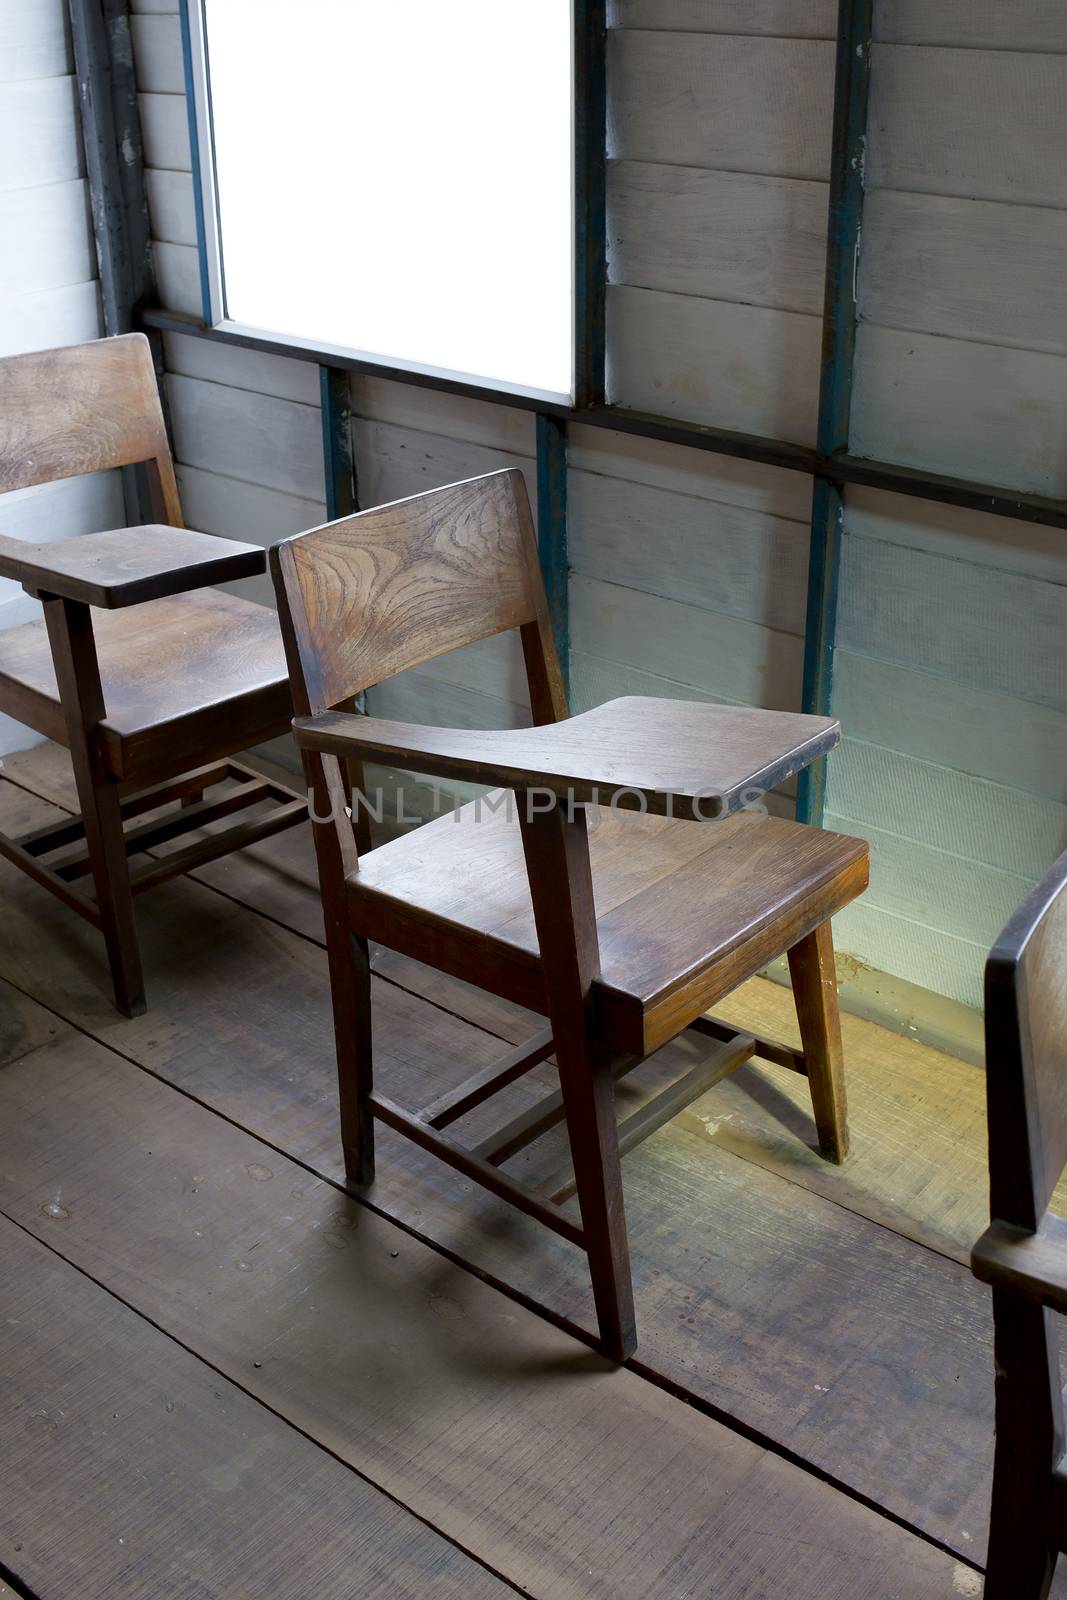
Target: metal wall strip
851	89
552	532
338	457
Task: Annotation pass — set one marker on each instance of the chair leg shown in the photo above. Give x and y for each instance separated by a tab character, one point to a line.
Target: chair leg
349	961
811	967
102	815
588	1089
1029	1440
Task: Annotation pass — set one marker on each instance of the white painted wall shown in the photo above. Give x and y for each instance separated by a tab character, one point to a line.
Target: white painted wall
688	570
48	290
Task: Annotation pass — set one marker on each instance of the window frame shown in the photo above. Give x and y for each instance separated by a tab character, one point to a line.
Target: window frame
215	312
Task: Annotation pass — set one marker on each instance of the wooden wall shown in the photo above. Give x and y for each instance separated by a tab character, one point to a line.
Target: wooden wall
688	570
48	290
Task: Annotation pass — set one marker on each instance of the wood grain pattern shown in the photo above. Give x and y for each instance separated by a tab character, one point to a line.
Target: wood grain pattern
126	566
724	235
50	107
735	561
171	206
961	408
207	657
981	24
709	361
982	124
257	438
434	572
948	723
666	757
234	368
784	18
68	411
136	1470
165	129
51	223
720	100
466	1449
968	269
741	661
992	629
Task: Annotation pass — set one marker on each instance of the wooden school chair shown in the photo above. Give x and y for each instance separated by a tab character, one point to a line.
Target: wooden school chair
1023	1253
622	930
150	686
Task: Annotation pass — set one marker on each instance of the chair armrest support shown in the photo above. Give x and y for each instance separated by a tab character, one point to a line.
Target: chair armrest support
126	566
1033	1265
669	757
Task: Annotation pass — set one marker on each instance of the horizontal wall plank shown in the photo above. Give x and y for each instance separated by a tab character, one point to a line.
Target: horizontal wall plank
177	269
236	510
50	317
718	100
952	811
725	235
165	129
157	53
973	411
984	124
934	888
171	206
741	367
904	949
950	723
803	19
957	531
155	7
65	509
235	368
34	40
275	443
432	411
725	558
417	696
49	237
594	681
976	625
971	269
52	152
493	668
723	656
983	24
393	462
728	479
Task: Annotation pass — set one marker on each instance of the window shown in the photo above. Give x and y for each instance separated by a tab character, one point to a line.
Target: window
395	177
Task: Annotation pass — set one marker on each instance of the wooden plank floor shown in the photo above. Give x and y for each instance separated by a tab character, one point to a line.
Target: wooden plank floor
797	1323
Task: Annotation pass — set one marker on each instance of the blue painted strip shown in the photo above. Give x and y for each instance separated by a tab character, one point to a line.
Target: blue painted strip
194	150
552	532
339	467
851	88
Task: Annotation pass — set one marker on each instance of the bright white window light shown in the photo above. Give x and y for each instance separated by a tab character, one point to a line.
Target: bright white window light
395	177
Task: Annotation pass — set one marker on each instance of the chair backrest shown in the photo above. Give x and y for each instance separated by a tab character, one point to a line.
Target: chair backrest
368	596
1026	1053
85	408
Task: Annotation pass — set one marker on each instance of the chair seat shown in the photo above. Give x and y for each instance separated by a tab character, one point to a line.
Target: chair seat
184	678
685	910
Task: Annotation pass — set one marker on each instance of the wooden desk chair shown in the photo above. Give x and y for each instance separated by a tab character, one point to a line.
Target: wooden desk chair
163	682
622	930
1023	1253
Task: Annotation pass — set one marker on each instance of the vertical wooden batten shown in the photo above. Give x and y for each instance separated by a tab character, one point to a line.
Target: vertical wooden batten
851	91
114	165
339	464
590	215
